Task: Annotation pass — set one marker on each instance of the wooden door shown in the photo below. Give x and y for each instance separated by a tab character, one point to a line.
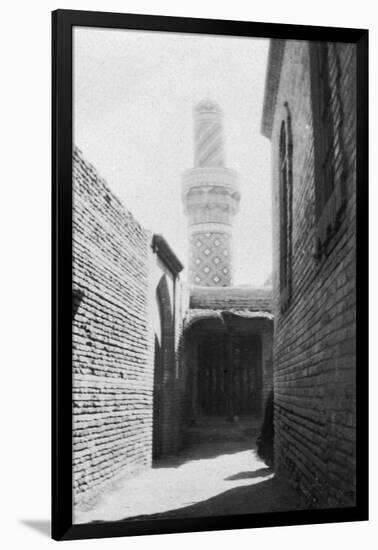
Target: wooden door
212	376
229	381
247	375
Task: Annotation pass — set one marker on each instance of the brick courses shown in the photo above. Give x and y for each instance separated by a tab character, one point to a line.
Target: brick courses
115	275
314	340
112	366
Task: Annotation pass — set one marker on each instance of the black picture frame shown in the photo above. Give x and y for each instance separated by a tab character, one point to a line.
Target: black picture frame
62	23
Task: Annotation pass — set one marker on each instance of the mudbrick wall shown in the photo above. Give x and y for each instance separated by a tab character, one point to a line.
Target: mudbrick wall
314	349
114	302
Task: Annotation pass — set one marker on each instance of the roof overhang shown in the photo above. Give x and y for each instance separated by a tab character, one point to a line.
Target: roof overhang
231	298
166	254
224	319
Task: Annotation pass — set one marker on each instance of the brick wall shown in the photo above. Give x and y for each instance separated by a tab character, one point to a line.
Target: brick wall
314	350
112	359
126	299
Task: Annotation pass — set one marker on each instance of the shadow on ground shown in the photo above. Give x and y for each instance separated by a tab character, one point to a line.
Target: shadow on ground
261	472
219	474
270	495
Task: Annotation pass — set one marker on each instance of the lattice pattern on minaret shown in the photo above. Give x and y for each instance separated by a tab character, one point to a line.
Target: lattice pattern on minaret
211	199
210	258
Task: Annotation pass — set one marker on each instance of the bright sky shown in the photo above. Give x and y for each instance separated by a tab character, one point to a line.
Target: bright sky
134	94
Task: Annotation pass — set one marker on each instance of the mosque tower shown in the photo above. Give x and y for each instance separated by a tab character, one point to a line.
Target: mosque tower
211	199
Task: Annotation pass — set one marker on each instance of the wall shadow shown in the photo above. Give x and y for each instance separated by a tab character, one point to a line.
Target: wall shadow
262	497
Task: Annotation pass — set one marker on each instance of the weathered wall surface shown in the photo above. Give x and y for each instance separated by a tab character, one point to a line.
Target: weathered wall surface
116	319
112	360
314	351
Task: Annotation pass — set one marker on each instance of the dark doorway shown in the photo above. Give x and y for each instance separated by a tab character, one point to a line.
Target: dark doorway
229	375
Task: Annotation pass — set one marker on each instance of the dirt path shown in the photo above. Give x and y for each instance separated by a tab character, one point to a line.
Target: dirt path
208	478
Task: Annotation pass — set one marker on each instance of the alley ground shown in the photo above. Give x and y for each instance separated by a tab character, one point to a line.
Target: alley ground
217	473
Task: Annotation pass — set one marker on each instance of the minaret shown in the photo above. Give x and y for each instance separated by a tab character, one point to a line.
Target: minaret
211	199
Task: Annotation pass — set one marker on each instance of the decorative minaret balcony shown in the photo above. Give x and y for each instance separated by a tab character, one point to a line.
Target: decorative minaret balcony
211	199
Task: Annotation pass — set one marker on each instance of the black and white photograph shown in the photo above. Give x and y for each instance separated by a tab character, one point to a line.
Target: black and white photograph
188	272
214	275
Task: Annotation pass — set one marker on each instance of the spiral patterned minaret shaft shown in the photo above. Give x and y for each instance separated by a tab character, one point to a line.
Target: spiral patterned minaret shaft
208	137
211	199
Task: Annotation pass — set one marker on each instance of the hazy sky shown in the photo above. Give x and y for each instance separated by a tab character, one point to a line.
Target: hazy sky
134	94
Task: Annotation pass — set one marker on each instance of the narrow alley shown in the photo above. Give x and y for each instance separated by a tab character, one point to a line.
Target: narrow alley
217	473
177	355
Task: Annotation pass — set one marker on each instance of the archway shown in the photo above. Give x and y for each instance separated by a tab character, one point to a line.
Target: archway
229	361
